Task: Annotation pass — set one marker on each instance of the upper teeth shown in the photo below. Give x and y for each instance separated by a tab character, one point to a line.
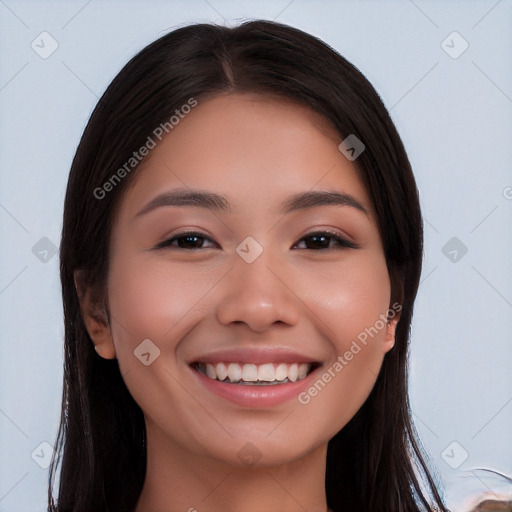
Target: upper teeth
268	372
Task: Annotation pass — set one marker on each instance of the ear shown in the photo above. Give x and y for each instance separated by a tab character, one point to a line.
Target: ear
95	316
392	322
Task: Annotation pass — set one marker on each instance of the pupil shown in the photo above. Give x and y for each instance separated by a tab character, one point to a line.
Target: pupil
191	240
321	237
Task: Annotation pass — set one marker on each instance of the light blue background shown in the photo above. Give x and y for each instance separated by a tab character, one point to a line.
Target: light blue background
454	115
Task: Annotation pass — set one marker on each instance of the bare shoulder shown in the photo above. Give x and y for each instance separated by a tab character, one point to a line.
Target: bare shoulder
493	505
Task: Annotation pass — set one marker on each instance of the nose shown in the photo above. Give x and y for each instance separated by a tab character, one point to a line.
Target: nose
259	295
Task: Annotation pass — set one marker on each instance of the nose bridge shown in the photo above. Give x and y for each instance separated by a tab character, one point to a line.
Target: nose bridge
253	259
258	273
255	293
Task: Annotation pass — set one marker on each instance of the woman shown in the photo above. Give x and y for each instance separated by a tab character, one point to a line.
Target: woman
240	255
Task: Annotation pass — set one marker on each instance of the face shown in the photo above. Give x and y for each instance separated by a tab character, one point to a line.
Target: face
219	266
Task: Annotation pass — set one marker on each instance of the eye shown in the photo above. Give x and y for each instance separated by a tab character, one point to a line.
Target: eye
321	240
189	240
317	241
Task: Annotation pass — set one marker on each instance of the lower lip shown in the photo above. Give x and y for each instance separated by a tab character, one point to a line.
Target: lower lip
256	396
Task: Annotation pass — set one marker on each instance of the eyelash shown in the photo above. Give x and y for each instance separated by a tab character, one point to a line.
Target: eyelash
341	242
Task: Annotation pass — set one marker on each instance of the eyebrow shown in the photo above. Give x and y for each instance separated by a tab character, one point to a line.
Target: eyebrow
218	202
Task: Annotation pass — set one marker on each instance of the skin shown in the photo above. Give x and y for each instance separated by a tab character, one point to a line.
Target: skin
187	301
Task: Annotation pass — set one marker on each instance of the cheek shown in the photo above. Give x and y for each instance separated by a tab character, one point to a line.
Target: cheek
162	303
349	306
351	298
149	301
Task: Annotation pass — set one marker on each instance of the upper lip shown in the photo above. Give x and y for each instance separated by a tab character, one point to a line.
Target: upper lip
255	356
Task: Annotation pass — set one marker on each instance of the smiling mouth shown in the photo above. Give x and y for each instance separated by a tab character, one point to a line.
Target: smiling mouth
268	374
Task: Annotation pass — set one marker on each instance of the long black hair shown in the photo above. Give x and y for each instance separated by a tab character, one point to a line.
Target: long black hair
375	463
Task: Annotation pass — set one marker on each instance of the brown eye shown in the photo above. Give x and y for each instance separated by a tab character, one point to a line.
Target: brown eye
191	240
324	240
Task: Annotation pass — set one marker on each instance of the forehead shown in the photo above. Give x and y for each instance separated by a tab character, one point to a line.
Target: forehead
252	148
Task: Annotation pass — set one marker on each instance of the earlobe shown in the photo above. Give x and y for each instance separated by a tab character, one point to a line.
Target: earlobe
94	316
391	332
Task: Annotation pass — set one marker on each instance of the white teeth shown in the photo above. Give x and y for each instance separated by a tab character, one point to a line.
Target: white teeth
293	372
250	373
234	372
210	371
222	371
282	372
302	371
264	373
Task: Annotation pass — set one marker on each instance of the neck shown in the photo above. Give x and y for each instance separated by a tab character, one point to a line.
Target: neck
179	480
